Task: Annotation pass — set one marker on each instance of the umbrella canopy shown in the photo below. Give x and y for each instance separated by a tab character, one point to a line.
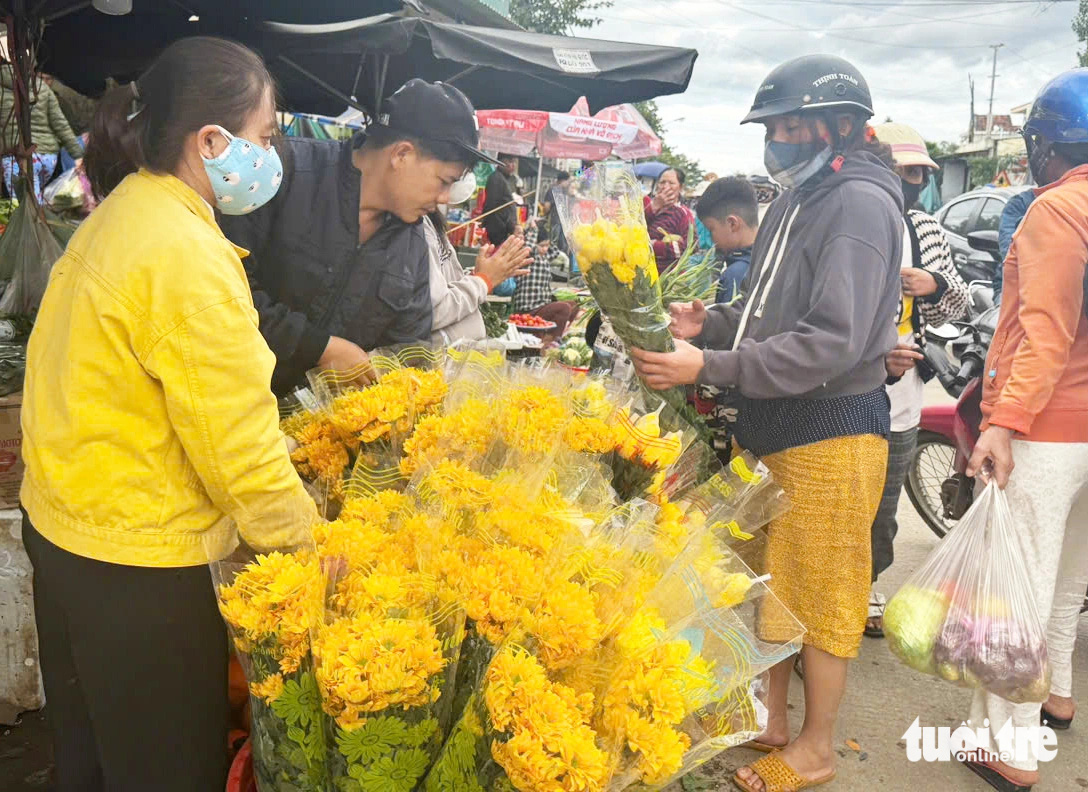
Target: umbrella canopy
650	170
322	66
574	135
83	47
646	142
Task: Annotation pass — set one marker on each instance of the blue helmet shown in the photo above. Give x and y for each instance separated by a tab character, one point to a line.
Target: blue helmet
1060	111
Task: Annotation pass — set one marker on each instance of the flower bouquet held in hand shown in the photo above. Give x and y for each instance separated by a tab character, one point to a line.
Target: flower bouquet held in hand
606	227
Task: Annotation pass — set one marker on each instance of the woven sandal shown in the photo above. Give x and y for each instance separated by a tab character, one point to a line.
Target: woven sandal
777	776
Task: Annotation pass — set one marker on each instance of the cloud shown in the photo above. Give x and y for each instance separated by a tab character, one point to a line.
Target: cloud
917	58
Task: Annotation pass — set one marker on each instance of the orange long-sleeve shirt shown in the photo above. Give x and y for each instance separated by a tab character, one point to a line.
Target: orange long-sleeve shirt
1037	371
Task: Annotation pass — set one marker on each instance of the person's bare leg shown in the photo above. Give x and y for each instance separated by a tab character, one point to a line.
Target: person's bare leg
812	754
778	695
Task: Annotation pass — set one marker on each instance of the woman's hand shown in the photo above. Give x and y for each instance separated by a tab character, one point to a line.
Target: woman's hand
993	446
664	370
687	319
918	282
901	359
512	258
665	195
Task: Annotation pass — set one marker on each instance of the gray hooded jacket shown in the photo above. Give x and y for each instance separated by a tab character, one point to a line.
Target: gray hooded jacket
805	347
821	295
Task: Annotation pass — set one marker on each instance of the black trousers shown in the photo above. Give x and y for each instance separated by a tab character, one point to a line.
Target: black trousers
134	662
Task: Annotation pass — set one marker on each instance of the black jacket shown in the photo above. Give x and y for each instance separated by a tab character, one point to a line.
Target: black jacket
502	223
309	276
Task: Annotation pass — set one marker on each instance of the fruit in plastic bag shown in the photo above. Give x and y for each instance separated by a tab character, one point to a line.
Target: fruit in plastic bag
968	616
912	622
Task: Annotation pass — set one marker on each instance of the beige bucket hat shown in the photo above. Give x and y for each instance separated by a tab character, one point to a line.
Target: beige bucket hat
908	147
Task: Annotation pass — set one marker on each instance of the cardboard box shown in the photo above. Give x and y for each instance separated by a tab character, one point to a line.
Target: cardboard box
11	446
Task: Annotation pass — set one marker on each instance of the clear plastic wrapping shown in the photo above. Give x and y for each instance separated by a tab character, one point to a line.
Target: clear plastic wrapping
603	217
272	605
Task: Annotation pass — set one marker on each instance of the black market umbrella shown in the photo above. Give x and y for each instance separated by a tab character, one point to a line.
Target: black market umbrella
83	47
321	68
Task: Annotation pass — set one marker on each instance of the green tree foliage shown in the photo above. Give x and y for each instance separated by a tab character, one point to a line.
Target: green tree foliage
942	149
559	17
1080	27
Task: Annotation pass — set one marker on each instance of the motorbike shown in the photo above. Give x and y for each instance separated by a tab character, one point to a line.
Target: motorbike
937	482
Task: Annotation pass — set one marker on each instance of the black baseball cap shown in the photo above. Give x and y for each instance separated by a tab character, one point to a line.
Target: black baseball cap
434	111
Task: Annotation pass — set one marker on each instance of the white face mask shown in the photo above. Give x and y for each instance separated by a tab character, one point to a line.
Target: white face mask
462	189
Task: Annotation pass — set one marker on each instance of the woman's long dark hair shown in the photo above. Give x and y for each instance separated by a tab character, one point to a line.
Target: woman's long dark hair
194	82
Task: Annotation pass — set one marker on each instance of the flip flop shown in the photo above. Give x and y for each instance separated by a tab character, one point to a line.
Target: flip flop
1053	721
777	776
995	778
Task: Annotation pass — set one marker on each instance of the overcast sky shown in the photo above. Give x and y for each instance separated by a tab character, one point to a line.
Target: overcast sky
916	55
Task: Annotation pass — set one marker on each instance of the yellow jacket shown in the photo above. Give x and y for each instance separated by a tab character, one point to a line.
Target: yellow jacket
149	428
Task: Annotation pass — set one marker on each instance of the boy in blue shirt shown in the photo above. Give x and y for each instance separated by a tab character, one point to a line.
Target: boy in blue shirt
730	211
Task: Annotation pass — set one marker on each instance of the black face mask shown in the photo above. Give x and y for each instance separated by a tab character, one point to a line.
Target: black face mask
910	194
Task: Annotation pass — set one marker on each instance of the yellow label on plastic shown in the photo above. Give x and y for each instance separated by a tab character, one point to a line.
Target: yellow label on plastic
740	467
734	530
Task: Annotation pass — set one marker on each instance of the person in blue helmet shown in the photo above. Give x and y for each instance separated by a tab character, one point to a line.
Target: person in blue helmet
1034	442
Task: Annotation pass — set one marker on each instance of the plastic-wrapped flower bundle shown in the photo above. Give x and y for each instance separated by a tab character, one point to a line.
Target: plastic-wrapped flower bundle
357	431
271	605
605	223
691	663
388	645
528	723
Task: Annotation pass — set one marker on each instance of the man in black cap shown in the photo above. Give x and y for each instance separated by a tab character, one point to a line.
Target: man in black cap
338	261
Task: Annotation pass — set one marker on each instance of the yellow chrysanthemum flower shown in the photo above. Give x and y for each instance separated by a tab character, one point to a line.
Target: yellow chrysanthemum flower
531	419
268	689
590	436
275	601
368	665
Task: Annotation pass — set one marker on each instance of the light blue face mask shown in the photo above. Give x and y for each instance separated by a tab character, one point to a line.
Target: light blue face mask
793	164
244	176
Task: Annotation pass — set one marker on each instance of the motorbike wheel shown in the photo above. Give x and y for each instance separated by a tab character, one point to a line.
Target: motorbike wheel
931	465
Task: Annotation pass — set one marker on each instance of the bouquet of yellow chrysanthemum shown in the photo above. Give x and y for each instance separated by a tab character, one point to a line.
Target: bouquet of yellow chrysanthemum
271	603
503	537
528	724
605	223
387	649
690	677
358	430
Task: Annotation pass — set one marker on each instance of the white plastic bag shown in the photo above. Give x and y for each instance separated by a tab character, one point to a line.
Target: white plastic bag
968	614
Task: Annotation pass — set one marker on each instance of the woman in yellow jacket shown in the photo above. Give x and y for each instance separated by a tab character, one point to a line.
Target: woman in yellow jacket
151	435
